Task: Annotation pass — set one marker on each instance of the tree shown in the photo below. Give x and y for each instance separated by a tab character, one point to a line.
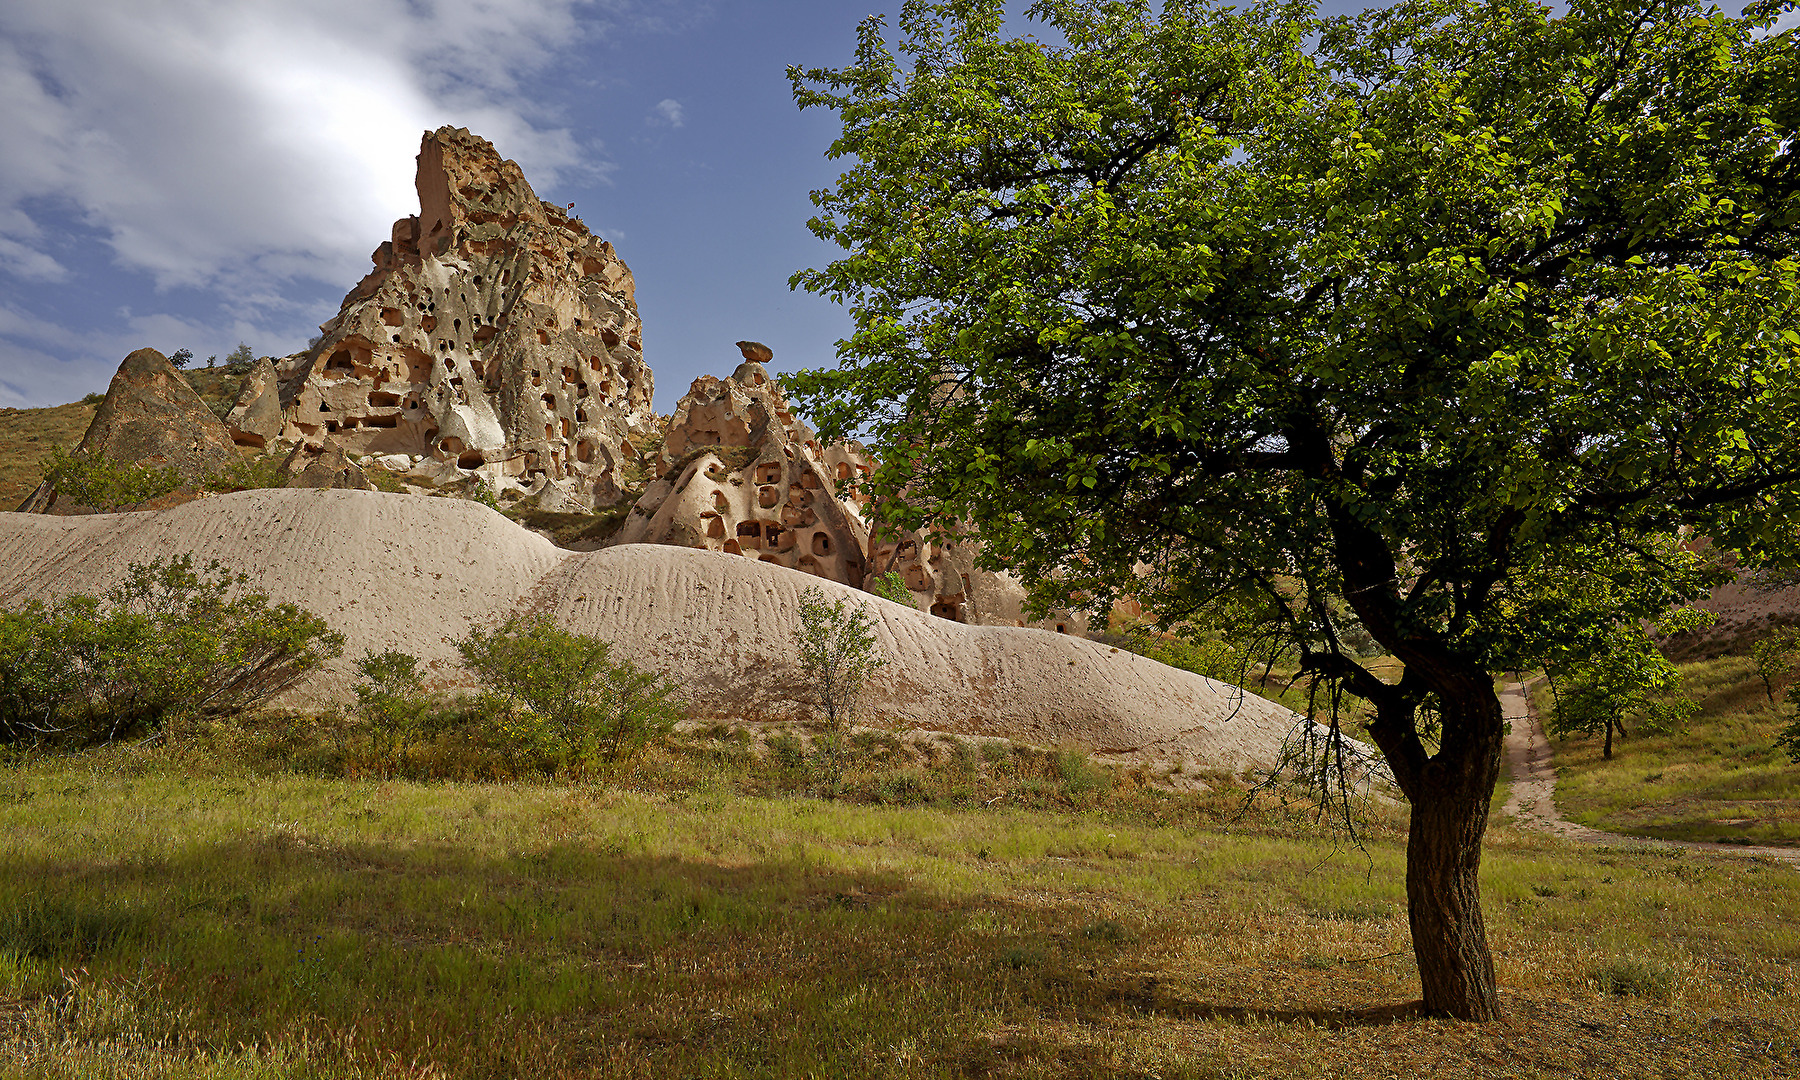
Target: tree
592	706
836	640
1367	320
890	586
1774	656
182	358
1630	681
392	701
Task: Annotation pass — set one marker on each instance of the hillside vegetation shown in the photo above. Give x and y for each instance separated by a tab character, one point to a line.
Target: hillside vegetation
28	435
1720	777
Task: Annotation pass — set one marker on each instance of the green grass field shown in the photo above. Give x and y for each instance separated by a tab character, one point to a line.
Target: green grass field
1720	779
163	914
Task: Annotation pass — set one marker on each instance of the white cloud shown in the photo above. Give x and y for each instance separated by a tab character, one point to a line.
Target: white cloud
666	112
44	362
255	141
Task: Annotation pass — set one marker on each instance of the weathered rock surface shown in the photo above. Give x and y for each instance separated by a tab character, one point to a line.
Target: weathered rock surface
150	417
738	473
414	573
255	418
325	467
495	335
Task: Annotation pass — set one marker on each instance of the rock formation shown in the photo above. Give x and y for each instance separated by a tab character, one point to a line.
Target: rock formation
739	473
495	336
255	419
324	467
150	417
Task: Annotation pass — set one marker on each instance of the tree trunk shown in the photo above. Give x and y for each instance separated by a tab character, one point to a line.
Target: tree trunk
1450	794
1606	753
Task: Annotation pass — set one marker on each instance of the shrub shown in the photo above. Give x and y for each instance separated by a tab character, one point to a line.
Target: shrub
1078	773
392	702
106	484
1633	977
168	642
587	705
836	640
890	586
248	473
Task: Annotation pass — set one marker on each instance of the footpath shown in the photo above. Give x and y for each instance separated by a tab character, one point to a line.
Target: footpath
1532	802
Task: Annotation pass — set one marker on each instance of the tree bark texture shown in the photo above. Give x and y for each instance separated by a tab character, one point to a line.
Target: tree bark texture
1450	798
1449	793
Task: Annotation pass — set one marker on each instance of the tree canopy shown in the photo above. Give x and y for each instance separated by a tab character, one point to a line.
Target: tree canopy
1382	322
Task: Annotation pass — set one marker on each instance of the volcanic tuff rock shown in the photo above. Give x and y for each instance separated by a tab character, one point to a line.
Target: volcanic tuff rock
255	419
151	417
325	467
739	474
424	571
495	335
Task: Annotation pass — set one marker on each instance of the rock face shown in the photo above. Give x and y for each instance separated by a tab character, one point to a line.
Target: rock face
255	419
328	467
739	474
150	417
495	336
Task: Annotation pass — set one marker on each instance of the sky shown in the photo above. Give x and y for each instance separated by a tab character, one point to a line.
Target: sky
196	173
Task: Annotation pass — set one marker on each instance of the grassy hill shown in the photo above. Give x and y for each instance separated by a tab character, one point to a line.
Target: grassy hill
1721	778
28	435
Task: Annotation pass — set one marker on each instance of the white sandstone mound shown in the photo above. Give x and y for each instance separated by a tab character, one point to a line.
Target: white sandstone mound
415	573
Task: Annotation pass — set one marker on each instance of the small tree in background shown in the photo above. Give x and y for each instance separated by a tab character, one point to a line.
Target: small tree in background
239	360
836	640
182	358
590	706
1633	681
1774	656
392	701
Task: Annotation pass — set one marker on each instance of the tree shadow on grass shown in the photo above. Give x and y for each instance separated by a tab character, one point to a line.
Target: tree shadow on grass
578	955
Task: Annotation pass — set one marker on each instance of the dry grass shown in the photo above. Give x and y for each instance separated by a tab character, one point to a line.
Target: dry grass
1720	779
163	914
26	438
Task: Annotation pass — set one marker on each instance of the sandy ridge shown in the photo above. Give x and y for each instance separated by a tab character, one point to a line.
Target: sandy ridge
416	573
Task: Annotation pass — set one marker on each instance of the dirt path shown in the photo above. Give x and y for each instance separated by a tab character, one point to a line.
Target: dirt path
1532	801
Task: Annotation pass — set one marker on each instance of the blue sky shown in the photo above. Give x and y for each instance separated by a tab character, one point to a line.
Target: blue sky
192	173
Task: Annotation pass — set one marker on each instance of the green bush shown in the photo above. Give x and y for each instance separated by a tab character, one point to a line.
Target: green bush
890	586
836	641
392	701
249	473
563	687
106	484
168	642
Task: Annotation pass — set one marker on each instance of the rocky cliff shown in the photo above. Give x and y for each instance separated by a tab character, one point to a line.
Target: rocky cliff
495	337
